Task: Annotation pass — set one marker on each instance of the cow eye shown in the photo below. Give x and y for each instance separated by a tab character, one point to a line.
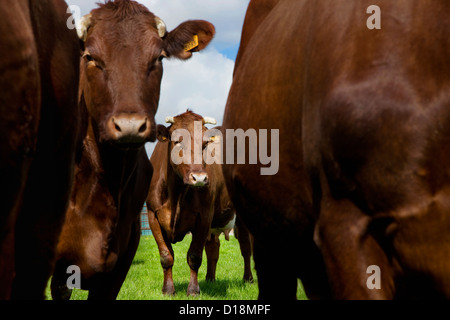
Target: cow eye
161	57
90	59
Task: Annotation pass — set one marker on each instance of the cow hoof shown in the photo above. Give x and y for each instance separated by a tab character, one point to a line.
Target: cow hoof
168	291
61	293
248	279
193	291
210	278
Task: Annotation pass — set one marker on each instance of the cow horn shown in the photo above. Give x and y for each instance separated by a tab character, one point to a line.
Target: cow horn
209	120
161	26
83	26
170	120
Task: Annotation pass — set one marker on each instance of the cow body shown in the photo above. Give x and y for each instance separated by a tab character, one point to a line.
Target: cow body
39	81
121	71
176	206
363	118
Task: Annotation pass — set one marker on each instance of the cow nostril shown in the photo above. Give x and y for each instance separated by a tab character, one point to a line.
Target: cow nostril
117	127
193	177
143	127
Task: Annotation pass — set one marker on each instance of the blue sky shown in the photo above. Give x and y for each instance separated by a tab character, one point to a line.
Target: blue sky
207	91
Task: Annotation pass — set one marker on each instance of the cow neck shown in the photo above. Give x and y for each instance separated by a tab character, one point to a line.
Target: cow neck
117	164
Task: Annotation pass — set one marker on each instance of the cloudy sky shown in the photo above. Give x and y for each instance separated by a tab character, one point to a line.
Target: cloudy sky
201	83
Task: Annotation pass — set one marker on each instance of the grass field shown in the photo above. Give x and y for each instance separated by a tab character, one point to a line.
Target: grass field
145	278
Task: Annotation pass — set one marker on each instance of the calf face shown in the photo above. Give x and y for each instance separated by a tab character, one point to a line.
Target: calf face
121	67
188	140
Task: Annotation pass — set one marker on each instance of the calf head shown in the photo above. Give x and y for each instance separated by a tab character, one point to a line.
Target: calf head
121	67
187	140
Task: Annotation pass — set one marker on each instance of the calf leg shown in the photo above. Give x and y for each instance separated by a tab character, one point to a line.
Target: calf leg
212	255
165	252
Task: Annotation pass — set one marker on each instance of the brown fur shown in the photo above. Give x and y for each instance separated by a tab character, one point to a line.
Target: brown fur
40	128
364	163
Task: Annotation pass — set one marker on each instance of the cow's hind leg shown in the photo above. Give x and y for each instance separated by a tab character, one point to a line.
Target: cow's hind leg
245	243
212	255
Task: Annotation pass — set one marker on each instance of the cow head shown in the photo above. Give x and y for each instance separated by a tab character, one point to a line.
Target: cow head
121	67
187	140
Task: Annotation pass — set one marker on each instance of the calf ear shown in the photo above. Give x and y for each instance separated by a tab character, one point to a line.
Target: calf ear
190	36
162	133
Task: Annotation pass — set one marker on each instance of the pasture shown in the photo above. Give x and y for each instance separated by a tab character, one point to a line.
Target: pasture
145	277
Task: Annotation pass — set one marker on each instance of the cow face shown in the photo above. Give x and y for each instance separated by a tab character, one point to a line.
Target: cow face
121	67
187	141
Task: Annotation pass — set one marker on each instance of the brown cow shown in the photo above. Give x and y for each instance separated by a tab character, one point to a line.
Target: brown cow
39	85
189	198
363	118
121	72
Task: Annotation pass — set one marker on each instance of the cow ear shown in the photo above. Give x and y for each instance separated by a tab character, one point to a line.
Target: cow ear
190	36
162	133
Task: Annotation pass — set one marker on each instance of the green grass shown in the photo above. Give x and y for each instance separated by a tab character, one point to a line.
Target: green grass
145	277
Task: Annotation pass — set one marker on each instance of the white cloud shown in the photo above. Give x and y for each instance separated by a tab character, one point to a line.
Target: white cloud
200	83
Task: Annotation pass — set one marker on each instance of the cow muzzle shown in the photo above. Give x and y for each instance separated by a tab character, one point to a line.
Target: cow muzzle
197	179
129	129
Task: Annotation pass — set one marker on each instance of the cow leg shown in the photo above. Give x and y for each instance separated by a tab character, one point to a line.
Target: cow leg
244	237
194	260
342	234
108	285
39	224
58	284
276	276
165	252
212	256
6	264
